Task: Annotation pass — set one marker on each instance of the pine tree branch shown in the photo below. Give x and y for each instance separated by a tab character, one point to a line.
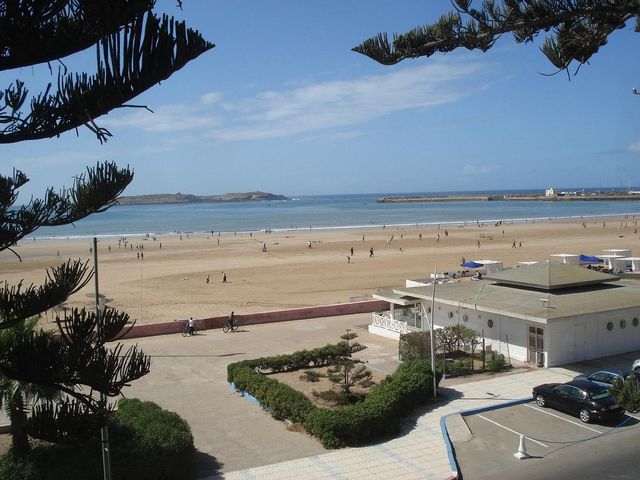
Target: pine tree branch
148	51
579	27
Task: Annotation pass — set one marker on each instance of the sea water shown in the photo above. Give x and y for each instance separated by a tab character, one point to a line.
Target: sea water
324	212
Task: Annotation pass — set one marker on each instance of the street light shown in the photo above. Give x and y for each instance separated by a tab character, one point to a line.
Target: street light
104	431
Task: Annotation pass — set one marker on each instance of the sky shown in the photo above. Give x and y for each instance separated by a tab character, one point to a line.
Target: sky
283	105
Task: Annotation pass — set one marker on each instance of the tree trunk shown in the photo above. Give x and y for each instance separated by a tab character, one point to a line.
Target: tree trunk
20	445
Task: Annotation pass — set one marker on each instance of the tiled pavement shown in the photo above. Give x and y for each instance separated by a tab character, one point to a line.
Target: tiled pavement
420	453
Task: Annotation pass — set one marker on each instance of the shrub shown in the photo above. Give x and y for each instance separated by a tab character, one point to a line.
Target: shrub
627	393
414	345
146	442
496	363
380	412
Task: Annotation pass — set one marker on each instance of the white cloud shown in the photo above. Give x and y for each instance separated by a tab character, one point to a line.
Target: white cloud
210	98
334	136
634	147
348	102
169	118
478	169
312	108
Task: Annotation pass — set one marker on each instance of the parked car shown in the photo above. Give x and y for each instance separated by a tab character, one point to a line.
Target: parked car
589	400
607	377
636	365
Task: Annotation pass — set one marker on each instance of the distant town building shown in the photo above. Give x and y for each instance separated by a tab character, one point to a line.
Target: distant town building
551	192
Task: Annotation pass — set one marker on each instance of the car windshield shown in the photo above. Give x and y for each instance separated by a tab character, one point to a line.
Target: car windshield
600	393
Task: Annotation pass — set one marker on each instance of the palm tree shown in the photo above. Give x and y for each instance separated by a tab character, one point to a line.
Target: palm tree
16	396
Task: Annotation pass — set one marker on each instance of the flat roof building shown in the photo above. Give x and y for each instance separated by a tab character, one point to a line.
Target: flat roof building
547	313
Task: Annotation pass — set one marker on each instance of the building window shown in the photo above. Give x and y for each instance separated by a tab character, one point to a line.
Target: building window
609	326
635	321
465	318
490	323
623	323
428	309
450	314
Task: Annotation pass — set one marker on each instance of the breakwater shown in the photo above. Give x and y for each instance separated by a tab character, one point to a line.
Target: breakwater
517	198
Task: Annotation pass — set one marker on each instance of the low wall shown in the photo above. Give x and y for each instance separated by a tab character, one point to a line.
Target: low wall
335	310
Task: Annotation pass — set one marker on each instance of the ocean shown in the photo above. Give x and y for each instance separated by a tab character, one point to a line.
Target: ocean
323	212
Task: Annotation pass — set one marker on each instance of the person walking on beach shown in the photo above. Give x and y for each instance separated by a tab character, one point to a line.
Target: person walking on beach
352	251
348	259
309	243
224	277
478	243
264	247
208	276
371	252
513	245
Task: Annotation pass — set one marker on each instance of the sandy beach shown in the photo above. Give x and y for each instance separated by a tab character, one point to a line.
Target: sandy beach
170	281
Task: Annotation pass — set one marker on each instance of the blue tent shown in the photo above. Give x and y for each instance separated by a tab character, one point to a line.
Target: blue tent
472	265
589	259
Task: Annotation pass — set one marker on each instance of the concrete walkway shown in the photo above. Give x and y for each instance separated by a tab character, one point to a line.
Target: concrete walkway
236	439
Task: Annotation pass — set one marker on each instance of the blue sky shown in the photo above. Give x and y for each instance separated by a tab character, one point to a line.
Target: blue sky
283	105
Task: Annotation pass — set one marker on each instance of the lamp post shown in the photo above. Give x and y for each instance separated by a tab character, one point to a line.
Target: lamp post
104	431
431	327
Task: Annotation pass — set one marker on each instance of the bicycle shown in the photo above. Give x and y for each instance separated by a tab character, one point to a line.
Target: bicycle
230	326
186	331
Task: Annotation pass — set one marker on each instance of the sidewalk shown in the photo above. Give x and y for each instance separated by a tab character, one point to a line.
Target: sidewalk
418	454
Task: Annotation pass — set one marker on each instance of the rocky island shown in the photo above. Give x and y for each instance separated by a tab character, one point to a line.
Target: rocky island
168	198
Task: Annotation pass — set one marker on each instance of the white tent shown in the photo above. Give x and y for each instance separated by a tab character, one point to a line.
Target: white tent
568	258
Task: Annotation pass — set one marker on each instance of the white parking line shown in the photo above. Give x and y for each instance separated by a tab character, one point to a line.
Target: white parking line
512	431
562	418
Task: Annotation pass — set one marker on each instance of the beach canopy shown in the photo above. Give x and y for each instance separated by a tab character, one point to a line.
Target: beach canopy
590	259
472	265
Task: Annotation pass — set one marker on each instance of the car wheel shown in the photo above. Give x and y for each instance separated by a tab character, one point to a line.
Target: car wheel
540	400
585	416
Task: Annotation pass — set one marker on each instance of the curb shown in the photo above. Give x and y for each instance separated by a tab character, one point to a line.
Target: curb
445	433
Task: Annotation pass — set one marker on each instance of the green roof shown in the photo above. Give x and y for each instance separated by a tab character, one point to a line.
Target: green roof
550	276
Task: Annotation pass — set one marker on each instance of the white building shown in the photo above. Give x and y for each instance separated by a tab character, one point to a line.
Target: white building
551	192
546	314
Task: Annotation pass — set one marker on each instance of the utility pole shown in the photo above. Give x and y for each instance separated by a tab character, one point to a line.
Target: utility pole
104	431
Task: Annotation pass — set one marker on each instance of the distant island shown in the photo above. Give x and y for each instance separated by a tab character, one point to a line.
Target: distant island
168	198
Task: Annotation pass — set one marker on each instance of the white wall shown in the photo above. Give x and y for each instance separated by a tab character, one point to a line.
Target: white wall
586	337
515	330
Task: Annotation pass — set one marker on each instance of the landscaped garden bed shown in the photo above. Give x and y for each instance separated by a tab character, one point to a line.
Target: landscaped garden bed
376	414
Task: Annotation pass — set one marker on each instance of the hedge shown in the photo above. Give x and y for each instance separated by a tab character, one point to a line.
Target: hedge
146	442
377	415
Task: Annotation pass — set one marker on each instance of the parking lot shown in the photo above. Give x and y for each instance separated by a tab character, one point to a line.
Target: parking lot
559	444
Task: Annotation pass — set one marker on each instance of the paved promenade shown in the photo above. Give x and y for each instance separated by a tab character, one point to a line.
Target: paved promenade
236	439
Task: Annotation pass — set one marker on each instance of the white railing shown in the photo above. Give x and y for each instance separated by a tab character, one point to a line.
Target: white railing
386	322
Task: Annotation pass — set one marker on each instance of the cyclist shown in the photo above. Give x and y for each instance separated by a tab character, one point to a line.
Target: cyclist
232	320
191	326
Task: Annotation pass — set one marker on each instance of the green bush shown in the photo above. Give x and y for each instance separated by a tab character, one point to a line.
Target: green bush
496	363
146	442
414	345
380	412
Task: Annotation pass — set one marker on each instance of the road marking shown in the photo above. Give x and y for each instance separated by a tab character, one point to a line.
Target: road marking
562	418
512	431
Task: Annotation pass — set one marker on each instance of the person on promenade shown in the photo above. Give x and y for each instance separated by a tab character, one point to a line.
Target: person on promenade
232	320
191	326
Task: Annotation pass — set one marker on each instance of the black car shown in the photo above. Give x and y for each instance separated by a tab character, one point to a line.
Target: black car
607	377
588	400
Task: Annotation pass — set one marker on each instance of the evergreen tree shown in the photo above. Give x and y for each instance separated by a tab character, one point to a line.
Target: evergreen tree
576	29
135	50
346	374
627	392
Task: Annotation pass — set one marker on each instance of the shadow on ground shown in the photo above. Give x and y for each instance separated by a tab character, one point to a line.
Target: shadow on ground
206	466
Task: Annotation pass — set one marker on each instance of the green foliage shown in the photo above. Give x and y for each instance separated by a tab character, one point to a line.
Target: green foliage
627	393
311	376
461	367
344	373
146	443
380	412
414	345
575	29
454	337
496	363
